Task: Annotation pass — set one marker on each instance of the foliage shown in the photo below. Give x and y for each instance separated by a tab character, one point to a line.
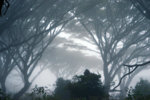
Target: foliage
39	93
141	91
84	86
87	85
62	90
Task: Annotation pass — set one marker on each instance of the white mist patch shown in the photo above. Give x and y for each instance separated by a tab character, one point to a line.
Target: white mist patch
91	48
14	82
64	35
46	78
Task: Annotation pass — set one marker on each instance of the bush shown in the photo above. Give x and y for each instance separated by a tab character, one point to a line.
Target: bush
40	93
62	91
85	87
141	91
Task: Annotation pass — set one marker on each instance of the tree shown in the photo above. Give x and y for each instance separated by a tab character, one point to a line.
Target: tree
62	91
7	65
141	91
29	32
44	30
24	9
87	86
142	6
29	35
117	29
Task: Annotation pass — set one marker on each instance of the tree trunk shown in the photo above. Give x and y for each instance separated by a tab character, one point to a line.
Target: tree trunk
107	87
106	78
124	86
3	87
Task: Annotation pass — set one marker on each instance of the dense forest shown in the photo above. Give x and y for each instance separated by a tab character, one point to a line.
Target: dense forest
94	48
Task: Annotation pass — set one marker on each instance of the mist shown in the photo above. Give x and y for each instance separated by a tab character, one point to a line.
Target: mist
74	49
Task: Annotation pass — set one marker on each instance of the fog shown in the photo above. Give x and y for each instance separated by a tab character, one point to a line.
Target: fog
51	46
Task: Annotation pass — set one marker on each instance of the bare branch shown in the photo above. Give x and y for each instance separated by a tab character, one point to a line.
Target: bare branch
135	66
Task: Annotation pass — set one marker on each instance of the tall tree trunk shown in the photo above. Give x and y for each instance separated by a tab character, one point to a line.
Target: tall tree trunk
107	84
124	86
123	93
107	88
3	86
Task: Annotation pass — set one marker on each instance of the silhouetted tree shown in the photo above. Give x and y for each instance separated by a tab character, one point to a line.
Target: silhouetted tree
141	91
87	86
62	91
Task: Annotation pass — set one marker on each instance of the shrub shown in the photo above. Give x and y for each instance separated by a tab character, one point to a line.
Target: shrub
141	91
84	87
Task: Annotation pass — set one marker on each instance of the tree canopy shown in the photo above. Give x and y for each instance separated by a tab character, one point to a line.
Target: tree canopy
141	91
86	86
142	6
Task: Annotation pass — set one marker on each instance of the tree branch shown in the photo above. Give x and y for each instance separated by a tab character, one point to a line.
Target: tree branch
135	66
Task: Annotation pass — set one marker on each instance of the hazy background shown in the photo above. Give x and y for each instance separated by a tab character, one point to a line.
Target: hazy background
41	41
